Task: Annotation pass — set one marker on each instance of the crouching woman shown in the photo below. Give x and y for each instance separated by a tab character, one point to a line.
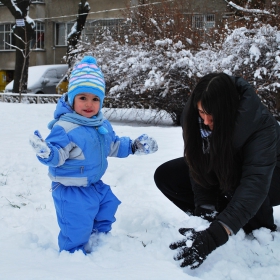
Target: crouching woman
230	172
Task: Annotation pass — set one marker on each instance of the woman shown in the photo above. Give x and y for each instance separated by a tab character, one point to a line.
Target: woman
230	172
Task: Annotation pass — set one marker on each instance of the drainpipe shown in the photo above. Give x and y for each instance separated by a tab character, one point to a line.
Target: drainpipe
53	55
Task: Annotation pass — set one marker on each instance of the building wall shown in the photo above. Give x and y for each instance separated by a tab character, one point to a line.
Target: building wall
7	57
64	11
68	9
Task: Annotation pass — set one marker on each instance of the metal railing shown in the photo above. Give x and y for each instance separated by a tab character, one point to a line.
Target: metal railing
29	98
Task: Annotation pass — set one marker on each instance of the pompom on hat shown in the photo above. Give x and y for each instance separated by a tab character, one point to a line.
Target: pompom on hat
86	77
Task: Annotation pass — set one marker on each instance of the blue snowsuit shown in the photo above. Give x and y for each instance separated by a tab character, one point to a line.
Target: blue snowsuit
78	160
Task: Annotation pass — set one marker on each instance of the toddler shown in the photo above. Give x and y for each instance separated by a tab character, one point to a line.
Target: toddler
76	152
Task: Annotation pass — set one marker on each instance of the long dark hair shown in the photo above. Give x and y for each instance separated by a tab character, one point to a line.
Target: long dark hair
219	98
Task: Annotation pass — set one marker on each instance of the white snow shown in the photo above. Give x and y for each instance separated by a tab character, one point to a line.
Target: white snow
147	222
254	52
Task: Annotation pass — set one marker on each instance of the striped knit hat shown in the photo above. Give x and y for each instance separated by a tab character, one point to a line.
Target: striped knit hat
86	77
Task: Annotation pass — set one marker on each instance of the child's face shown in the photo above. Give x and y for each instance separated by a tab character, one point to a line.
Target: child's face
86	104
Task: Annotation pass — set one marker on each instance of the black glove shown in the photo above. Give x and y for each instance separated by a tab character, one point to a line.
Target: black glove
203	243
206	214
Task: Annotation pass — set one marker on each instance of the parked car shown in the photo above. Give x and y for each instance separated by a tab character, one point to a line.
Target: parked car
42	79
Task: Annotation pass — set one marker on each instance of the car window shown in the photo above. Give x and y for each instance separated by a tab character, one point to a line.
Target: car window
51	74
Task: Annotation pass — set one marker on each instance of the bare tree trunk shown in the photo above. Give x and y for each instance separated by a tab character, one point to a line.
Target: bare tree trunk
76	31
23	32
22	60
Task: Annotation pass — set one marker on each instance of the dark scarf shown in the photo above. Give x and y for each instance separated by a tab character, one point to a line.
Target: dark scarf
205	133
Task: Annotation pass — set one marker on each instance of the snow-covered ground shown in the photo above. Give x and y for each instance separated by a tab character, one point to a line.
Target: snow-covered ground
147	222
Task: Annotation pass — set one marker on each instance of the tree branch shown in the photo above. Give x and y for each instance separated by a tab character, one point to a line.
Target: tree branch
245	10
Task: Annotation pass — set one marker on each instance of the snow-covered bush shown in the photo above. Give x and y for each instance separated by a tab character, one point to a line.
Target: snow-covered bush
162	75
254	55
145	76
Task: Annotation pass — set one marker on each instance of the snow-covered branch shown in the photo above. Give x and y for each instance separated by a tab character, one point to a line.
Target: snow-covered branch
12	6
16	47
245	10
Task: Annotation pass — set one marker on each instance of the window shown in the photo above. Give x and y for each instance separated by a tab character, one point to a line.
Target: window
61	32
6	37
38	41
203	21
92	29
52	74
108	26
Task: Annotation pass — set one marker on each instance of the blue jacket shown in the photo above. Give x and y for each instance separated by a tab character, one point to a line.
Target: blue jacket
78	152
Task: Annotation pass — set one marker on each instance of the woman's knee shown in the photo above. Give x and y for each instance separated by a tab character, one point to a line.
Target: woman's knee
164	170
171	171
158	176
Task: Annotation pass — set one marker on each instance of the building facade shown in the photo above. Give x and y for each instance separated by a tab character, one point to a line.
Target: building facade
55	18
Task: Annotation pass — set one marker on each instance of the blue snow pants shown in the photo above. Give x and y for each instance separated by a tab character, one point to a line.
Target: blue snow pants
81	211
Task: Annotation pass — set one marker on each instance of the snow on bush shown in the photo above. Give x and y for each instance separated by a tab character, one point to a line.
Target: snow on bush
162	74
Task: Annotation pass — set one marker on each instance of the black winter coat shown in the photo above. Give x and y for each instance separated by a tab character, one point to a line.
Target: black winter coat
257	144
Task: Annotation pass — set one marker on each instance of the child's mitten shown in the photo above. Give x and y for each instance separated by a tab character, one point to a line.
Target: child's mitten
144	145
39	145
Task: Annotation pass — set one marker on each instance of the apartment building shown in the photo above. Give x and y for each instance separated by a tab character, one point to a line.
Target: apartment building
54	19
